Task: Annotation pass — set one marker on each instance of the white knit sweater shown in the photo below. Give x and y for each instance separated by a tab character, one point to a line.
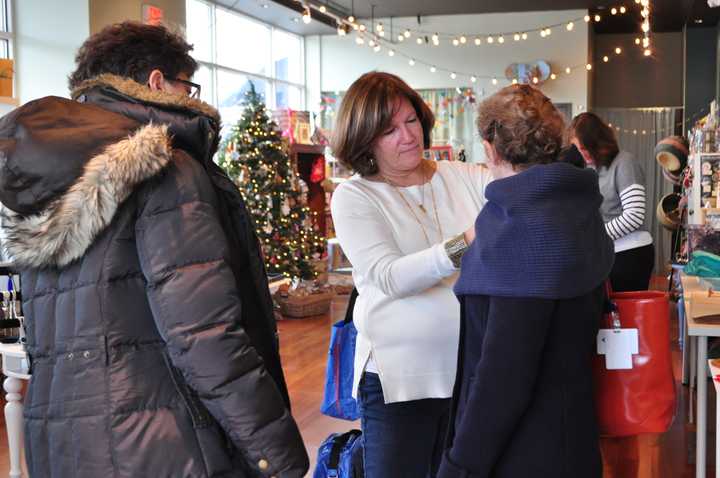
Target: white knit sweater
408	318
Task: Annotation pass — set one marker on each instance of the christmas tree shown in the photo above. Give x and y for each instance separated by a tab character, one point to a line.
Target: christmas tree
255	157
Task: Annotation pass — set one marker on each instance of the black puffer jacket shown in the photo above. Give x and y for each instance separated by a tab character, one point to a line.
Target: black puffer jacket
150	329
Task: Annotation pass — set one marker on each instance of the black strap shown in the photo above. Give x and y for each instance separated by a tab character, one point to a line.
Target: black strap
338	444
351	306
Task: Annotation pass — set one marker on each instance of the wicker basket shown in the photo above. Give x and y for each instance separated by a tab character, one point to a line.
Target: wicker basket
304	306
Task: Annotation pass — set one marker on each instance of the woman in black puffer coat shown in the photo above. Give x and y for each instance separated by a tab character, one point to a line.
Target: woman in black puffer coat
150	331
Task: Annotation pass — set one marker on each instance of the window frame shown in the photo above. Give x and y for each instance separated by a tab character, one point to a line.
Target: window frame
213	66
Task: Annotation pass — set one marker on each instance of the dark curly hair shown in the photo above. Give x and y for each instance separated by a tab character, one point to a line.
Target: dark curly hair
596	137
522	124
133	50
366	112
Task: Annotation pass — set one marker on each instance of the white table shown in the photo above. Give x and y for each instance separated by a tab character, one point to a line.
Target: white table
699	303
15	368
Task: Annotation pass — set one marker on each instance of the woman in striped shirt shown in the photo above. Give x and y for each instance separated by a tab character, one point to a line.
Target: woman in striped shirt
622	184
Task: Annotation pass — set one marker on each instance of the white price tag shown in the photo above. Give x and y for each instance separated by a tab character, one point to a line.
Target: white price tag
618	346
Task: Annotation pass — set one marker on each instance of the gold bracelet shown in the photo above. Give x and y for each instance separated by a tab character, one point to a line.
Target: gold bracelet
455	248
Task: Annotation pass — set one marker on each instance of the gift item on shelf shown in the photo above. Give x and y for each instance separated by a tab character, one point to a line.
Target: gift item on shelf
704	237
669	211
295	125
304	298
672	154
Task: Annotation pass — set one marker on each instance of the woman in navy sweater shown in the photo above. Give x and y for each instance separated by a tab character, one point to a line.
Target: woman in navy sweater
531	298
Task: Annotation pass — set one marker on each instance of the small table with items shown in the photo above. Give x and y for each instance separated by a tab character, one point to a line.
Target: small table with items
702	315
15	368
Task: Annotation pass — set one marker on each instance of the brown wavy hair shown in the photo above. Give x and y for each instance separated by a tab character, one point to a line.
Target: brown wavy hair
366	112
133	50
522	124
596	137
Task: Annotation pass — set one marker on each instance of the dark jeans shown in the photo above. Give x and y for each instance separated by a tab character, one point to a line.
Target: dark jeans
632	269
404	439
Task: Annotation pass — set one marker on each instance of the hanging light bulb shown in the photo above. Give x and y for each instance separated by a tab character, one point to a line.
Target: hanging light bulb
618	50
543	34
570	26
463	39
371	43
453	75
516	37
501	39
323	9
548	32
646	42
490	40
391	53
379	27
362	27
381	33
341	31
613	11
494	81
553	76
588	67
623	9
647	52
646	26
598	18
401	38
478	41
455	42
351	19
637	41
524	36
306	17
473	78
587	18
407	33
359	40
419	41
433	69
567	70
606	59
535	80
436	39
377	48
411	62
514	81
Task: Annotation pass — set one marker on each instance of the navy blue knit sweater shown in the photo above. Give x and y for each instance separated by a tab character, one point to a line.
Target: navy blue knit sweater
539	235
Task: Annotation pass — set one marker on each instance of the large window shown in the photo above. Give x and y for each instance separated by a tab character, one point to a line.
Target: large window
235	50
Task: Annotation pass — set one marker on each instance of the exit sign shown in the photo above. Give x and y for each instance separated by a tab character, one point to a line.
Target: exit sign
152	15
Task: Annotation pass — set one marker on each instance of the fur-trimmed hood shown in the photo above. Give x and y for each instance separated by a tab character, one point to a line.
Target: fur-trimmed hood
133	89
66	166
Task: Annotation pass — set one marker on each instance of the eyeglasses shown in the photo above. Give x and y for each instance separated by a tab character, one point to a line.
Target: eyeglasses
192	89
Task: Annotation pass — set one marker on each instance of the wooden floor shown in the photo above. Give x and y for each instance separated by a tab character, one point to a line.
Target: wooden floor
304	345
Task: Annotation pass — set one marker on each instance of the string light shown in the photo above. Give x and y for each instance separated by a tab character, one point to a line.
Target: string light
411	62
463	39
306	17
323	9
637	41
567	70
377	48
455	42
618	50
535	80
501	39
478	41
587	18
613	11
494	81
453	75
351	19
359	40
391	53
419	41
490	39
570	26
553	76
647	52
623	9
401	38
598	18
606	59
516	37
588	67
524	36
407	33
433	69
473	78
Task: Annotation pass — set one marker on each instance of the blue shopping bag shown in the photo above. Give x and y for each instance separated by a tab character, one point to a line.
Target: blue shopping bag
338	401
341	456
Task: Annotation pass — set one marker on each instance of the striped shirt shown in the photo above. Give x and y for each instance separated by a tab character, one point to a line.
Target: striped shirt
622	186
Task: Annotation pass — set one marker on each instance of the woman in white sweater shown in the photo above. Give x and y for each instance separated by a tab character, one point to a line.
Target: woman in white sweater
403	223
